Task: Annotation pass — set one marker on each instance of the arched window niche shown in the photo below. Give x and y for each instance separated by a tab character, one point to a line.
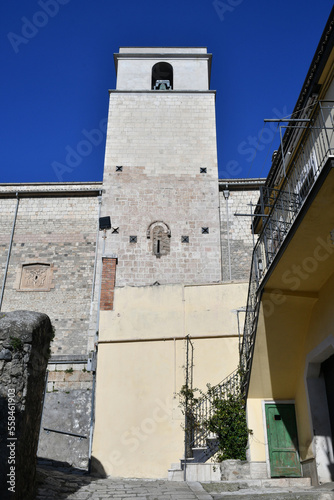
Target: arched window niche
162	76
159	233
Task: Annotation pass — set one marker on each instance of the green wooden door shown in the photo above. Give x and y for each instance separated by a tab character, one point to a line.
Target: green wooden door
282	440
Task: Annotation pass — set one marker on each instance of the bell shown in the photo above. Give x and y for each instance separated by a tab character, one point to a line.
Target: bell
162	86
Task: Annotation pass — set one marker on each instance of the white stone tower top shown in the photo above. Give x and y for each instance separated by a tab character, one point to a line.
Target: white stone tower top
185	68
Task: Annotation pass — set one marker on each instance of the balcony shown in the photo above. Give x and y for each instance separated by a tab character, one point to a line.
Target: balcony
299	167
307	148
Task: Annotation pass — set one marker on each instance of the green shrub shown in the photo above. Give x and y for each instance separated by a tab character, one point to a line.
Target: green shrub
229	424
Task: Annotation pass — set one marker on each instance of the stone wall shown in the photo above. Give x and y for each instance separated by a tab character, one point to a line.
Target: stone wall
66	418
51	270
24	350
55	235
239	235
162	141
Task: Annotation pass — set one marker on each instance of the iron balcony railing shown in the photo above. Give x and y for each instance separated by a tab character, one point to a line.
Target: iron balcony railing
310	145
308	149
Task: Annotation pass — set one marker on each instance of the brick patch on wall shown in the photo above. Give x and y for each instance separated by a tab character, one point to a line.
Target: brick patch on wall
108	283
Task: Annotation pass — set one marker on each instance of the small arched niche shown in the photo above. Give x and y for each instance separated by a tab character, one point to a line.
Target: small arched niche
162	76
160	234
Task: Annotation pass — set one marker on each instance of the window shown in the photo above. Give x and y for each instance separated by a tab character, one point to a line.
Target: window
162	76
159	234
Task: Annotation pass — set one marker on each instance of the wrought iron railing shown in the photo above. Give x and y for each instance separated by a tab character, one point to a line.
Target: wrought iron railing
308	150
204	408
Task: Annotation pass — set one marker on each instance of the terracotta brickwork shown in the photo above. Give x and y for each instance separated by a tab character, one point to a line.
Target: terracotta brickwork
108	283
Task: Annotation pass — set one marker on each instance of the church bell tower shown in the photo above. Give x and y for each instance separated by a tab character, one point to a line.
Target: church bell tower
160	174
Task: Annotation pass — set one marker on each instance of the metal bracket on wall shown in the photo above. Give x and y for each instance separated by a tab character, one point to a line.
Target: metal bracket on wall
80	436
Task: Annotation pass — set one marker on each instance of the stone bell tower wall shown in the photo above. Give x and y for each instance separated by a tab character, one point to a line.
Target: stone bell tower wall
165	143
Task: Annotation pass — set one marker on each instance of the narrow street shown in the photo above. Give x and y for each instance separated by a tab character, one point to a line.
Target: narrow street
58	483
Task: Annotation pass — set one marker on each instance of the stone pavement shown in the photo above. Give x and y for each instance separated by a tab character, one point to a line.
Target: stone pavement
243	490
73	484
59	484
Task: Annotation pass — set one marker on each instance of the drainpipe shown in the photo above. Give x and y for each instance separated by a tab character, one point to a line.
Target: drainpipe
92	411
9	250
226	194
96	250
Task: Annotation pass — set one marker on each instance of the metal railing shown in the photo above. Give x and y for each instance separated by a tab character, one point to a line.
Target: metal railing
308	149
299	166
204	408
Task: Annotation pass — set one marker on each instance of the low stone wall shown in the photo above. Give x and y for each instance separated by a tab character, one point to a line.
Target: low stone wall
24	350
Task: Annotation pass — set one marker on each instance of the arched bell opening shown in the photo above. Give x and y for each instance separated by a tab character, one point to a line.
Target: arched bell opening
162	76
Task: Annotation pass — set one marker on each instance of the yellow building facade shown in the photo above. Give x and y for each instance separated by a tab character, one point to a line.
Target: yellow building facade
290	405
141	369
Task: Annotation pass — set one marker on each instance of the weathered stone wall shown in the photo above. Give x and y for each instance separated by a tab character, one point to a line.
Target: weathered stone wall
67	411
59	233
162	140
240	234
24	349
67	408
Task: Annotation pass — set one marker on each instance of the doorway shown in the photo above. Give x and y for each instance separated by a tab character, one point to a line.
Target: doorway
282	440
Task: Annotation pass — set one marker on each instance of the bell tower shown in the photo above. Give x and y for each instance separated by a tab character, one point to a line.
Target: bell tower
160	174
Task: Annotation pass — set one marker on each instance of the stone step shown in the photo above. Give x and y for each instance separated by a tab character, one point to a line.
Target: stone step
175	475
279	494
195	472
282	482
281	488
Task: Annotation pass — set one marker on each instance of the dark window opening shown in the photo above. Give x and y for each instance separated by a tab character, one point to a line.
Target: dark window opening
162	76
161	241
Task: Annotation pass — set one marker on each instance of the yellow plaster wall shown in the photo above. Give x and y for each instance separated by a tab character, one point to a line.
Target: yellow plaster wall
284	339
138	420
278	360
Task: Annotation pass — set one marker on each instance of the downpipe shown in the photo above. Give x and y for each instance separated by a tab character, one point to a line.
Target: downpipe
9	250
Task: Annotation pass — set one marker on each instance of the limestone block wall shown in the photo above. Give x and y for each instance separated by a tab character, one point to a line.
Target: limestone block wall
57	233
55	236
167	132
24	349
236	230
162	141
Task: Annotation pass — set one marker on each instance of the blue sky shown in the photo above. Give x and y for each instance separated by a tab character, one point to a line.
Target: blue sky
57	65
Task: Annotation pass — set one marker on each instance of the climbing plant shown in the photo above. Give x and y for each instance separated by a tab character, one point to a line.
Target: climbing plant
188	401
226	417
228	423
